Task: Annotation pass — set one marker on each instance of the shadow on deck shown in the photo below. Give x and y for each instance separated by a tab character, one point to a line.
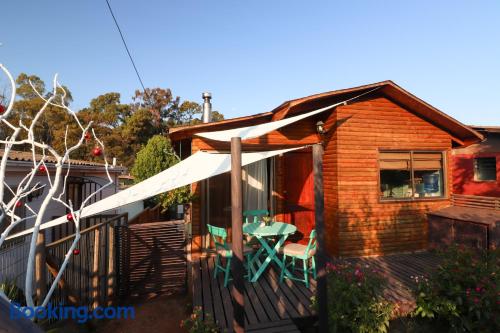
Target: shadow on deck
399	269
268	303
281	306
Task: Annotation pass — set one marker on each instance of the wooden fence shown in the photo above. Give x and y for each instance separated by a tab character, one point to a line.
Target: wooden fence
474	201
90	279
152	258
150	214
13	260
113	261
67	229
14	253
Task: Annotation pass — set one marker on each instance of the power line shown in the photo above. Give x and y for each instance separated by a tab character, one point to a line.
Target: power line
126	47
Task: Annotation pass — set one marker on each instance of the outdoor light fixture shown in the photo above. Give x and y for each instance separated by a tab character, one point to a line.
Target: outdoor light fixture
320	127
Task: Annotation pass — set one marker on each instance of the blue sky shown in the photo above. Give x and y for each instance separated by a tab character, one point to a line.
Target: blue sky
254	55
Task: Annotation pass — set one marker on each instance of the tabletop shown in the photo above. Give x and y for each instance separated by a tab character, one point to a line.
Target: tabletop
274	229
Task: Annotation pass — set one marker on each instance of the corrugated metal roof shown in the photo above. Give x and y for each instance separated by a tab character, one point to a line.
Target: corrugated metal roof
26	156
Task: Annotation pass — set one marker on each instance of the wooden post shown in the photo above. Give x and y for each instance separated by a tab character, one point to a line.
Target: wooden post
203	215
111	265
237	269
187	247
321	287
40	268
95	268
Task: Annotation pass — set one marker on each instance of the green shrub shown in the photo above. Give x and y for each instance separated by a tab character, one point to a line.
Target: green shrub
355	300
464	291
196	324
157	156
12	291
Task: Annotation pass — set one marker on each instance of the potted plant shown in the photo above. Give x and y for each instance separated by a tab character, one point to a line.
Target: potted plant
267	220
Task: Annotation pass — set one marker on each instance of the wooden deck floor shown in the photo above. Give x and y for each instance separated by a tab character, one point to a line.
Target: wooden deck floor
269	302
266	301
399	269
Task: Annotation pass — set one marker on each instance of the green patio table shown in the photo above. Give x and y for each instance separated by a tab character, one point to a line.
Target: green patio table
265	235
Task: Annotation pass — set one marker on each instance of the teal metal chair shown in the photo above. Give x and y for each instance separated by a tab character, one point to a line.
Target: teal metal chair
303	252
256	213
252	216
224	250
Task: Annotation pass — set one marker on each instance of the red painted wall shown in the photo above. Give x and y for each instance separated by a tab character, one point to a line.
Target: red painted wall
463	176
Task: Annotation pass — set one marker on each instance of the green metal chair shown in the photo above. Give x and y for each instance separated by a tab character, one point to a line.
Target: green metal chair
303	252
256	213
223	249
247	218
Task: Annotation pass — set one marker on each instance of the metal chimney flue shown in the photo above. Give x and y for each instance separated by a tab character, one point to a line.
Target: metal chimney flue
207	107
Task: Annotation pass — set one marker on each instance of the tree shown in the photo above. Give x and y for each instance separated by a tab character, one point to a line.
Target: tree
30	90
123	128
167	110
216	116
134	134
184	114
158	102
156	156
109	116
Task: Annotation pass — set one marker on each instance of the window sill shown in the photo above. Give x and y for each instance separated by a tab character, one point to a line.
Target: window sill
412	200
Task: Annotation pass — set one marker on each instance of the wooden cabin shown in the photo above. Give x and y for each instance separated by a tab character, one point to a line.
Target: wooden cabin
386	163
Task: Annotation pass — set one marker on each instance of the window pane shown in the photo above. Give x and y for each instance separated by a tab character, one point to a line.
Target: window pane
428	183
397	169
395	184
485	168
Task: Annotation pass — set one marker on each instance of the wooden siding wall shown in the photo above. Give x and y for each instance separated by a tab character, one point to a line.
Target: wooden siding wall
356	221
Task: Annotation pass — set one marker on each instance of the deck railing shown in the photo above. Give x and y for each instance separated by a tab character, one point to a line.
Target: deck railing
90	277
474	201
13	260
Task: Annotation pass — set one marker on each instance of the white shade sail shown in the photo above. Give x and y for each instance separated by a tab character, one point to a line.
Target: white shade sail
255	131
198	166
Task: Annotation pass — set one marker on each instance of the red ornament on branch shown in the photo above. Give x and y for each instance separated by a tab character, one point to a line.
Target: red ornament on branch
87	136
2	109
76	252
19	204
97	151
69	217
42	168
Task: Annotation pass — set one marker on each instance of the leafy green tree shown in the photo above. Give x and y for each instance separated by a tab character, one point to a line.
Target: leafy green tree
29	103
124	128
109	116
155	157
216	116
184	114
167	110
159	102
